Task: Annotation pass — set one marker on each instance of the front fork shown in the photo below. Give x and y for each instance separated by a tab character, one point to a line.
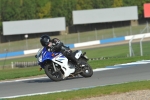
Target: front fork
54	67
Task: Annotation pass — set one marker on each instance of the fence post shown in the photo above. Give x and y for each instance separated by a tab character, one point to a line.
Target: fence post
114	33
147	27
78	37
5	57
127	33
95	34
130	30
12	65
141	48
130	46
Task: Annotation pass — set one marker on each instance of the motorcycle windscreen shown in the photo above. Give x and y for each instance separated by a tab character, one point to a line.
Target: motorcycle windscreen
78	54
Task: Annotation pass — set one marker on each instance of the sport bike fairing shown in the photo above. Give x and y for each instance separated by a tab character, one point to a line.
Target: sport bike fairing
55	57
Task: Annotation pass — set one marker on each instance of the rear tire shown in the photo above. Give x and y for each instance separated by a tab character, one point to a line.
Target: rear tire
55	76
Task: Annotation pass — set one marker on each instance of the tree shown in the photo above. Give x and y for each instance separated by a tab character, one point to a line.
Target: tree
28	9
138	3
117	3
0	10
57	8
107	3
0	16
68	7
84	4
63	8
97	4
43	8
10	10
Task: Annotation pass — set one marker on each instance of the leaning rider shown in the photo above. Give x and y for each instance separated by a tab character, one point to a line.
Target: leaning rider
55	45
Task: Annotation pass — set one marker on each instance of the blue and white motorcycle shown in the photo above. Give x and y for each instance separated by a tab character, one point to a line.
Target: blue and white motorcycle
57	67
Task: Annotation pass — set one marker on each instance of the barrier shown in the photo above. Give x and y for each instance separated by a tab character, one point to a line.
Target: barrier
89	43
117	39
11	54
25	64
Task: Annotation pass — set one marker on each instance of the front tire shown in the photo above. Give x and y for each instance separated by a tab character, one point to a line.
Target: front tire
55	76
87	70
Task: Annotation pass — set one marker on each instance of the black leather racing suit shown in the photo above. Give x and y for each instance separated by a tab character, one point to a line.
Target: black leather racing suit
58	46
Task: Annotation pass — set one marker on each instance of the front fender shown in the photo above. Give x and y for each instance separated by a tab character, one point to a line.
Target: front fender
46	57
44	62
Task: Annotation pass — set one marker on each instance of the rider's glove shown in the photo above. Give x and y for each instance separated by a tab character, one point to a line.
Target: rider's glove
52	48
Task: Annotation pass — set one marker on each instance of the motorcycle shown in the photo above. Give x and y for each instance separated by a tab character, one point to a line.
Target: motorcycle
57	67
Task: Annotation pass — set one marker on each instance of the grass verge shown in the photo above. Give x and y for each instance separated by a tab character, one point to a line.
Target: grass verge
92	92
33	71
19	73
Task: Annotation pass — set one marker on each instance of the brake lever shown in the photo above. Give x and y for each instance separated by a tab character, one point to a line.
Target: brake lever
53	54
35	56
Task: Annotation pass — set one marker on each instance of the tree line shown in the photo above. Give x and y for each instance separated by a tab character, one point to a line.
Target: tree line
11	10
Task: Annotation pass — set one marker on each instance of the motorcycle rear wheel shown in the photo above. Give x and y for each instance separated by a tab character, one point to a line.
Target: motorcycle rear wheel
53	75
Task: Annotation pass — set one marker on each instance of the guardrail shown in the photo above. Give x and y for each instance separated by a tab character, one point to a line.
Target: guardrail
89	43
25	64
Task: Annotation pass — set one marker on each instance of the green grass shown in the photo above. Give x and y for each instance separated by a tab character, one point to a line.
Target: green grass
113	61
21	59
118	50
92	92
20	73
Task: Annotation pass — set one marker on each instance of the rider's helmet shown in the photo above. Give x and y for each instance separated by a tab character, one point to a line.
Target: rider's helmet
45	39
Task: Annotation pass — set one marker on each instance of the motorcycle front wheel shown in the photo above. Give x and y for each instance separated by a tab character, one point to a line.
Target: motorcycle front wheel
52	74
87	71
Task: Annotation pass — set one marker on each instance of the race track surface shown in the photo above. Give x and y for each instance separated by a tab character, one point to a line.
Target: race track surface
121	74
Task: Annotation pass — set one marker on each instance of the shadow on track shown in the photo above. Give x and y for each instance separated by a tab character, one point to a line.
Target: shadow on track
47	80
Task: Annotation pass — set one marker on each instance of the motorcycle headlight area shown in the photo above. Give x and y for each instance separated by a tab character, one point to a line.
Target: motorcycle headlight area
78	54
40	58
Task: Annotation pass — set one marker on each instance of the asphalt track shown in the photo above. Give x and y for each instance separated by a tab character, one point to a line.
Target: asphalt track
101	77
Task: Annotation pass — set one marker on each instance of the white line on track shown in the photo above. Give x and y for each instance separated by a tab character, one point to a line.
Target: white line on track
135	63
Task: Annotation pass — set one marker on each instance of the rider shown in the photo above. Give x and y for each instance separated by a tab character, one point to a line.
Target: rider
55	45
